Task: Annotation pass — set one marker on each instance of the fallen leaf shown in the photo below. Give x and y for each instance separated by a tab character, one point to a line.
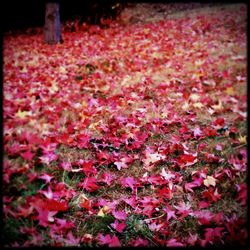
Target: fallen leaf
209	181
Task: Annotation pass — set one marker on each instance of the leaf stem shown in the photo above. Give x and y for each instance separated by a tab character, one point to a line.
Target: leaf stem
154	218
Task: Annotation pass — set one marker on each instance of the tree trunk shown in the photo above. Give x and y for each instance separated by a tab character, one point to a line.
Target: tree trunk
52	28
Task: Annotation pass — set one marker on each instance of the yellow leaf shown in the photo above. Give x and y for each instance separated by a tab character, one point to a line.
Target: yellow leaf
243	139
198	105
54	88
62	70
152	158
185	106
22	114
103	211
199	62
217	106
209	181
194	97
24	70
84	104
230	91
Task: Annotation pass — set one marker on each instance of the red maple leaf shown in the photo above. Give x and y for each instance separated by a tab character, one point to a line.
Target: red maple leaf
88	168
119	227
111	241
27	155
184	209
64	224
25	211
148	210
210	131
45	216
212	235
211	195
83	141
204	217
86	203
165	192
186	160
131	201
219	121
219	218
54	205
138	242
203	204
106	178
242	193
89	184
156	180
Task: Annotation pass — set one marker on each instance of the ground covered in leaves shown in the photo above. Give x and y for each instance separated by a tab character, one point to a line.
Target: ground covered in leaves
133	134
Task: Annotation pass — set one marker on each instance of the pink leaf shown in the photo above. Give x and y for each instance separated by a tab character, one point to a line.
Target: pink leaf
48	194
104	239
131	201
46	177
45	216
192	239
197	132
71	240
119	215
189	186
66	166
63	224
129	182
167	175
120	165
48	157
204	217
155	226
183	209
106	178
170	213
174	243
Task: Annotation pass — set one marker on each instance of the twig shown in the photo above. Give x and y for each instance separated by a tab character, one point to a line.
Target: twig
154	218
151	240
63	180
240	146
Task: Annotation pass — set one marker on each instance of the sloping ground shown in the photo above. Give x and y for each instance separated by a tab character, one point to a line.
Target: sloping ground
133	135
